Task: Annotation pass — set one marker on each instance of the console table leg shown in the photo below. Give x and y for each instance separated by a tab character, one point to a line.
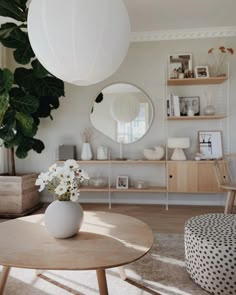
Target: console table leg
102	281
122	272
4	276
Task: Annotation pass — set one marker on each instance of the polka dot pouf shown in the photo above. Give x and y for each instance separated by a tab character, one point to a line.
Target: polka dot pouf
210	252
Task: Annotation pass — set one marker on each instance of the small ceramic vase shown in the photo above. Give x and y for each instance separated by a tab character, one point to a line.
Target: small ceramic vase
86	153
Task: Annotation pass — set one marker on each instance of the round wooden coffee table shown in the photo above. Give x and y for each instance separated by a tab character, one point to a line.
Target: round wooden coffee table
105	240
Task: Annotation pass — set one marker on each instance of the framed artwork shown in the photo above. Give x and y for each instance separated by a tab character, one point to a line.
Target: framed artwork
189	106
122	182
210	145
180	66
201	72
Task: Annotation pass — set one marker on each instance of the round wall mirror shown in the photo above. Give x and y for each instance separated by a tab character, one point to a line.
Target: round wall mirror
123	112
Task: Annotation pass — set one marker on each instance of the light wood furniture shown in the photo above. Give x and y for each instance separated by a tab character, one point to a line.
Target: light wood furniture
196	81
18	195
187	118
225	177
192	177
105	240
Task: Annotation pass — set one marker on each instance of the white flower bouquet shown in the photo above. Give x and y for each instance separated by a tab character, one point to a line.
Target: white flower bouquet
64	180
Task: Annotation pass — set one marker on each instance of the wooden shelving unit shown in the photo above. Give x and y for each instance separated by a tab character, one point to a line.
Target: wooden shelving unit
196	81
187	118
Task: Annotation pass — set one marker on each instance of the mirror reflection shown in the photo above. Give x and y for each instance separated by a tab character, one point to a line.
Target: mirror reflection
123	112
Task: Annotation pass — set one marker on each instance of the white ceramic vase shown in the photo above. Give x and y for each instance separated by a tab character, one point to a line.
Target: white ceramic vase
86	153
63	219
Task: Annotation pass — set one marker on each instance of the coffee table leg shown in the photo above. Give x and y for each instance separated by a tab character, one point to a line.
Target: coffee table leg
102	281
4	276
122	272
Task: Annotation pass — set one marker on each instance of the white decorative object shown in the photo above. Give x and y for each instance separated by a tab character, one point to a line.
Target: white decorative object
102	153
80	42
154	154
86	153
64	216
178	144
140	184
63	219
125	109
97	182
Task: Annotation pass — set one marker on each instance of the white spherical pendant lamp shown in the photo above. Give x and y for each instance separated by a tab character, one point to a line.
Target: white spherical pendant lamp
125	109
79	41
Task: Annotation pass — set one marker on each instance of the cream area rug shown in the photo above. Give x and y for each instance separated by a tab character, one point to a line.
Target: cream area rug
161	271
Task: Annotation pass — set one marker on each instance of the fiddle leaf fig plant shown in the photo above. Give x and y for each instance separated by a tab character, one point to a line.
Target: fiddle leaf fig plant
27	94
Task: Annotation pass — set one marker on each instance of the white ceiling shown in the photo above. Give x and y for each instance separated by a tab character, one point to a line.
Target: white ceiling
155	15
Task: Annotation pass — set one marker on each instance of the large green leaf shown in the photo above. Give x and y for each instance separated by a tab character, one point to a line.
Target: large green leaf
22	4
28	144
26	123
26	104
4	100
50	86
19	40
6	80
6	29
38	69
44	109
10	9
25	78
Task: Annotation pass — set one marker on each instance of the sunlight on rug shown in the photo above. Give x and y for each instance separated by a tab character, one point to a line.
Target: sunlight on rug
161	271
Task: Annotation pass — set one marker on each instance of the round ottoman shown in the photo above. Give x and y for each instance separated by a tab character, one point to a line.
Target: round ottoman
210	252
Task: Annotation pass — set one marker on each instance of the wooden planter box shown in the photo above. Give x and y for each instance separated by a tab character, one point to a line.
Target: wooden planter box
18	195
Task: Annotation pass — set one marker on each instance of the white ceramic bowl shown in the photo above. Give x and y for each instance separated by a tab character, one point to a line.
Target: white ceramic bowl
97	182
154	154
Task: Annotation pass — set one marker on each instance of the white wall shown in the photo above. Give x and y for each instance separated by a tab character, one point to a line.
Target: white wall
144	66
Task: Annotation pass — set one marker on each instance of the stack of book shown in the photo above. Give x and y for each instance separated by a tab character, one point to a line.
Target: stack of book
173	106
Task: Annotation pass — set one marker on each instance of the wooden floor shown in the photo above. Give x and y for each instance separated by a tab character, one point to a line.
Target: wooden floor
156	216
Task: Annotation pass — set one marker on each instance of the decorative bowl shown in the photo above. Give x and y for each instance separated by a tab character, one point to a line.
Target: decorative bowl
140	184
154	154
97	182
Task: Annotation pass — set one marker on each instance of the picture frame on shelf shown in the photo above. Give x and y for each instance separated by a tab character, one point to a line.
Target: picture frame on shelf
210	145
201	72
180	66
122	182
189	105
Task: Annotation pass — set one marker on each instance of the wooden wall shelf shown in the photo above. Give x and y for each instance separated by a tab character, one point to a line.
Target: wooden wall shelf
187	118
196	81
119	162
152	189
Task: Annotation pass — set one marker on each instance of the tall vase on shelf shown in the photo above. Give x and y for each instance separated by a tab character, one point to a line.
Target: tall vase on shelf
63	217
86	153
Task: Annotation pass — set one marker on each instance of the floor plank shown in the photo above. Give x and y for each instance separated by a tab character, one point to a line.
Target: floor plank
156	216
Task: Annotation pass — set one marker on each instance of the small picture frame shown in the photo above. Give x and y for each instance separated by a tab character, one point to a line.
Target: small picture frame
201	72
180	66
189	106
122	182
210	145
